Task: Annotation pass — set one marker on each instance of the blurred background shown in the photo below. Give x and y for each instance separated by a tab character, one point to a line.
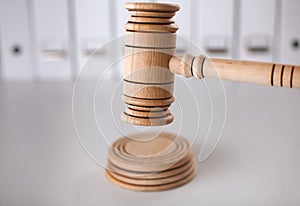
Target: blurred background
51	39
44	44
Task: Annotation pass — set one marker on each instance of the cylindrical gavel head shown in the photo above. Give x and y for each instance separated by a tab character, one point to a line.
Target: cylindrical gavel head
148	84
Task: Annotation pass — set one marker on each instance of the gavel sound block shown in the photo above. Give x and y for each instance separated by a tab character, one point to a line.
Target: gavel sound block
150	65
152	164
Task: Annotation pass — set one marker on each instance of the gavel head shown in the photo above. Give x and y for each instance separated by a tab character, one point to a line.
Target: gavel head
148	84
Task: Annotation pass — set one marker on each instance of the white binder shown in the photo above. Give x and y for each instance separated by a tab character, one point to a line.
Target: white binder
257	29
15	40
53	43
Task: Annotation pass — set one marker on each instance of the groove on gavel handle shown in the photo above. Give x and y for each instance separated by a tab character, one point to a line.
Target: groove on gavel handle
236	70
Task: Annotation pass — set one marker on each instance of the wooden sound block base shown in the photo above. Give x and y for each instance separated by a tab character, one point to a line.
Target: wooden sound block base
151	162
151	188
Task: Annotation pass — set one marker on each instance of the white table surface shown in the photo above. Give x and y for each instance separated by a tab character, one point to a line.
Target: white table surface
42	162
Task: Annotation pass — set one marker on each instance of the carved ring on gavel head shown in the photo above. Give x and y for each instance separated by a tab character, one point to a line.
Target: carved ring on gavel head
150	65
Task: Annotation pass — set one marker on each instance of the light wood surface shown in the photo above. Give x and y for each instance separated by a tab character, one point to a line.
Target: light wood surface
150	175
152	14
153	114
148	109
150	42
151	188
148	104
156	7
139	67
147	121
151	162
157	20
149	90
271	74
153	181
163	152
151	27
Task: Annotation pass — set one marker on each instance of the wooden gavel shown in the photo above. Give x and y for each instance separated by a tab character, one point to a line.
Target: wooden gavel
150	66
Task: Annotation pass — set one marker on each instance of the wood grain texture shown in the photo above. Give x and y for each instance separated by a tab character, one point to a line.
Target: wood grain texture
148	109
237	70
182	65
295	78
158	181
286	76
148	91
148	121
158	20
151	162
148	114
150	42
150	175
152	188
156	7
275	75
151	27
148	103
163	152
148	65
152	14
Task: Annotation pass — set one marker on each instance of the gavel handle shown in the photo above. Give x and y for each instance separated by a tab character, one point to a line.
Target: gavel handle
236	70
